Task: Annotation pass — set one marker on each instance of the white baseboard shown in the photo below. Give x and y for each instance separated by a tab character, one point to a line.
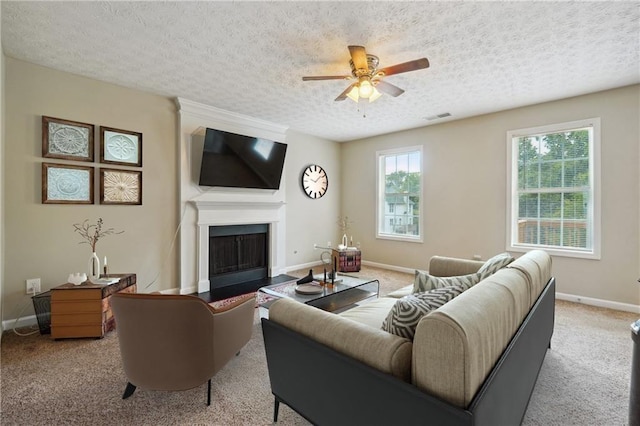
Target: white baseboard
389	267
308	265
22	322
618	306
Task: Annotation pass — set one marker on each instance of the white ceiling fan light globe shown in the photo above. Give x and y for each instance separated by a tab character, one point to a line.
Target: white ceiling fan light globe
353	94
366	88
374	95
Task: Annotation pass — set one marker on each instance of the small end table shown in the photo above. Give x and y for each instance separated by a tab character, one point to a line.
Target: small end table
85	310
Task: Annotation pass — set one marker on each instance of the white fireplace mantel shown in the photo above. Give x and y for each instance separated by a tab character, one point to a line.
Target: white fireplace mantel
203	208
206	205
222	213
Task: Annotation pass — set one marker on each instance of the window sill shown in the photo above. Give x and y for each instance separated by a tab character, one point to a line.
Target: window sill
555	251
399	238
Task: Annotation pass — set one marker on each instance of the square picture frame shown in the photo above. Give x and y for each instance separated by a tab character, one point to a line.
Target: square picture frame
122	147
67	140
119	186
67	184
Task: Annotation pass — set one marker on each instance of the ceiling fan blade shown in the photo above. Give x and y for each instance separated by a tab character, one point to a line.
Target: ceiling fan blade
343	95
359	57
326	77
389	88
417	64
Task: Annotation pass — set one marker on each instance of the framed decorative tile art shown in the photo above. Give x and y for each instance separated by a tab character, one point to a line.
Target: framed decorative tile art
66	139
67	184
120	186
120	147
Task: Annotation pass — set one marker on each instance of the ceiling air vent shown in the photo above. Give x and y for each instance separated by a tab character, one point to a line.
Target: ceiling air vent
436	117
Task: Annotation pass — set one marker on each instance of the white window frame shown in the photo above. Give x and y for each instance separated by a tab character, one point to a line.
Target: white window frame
594	209
380	195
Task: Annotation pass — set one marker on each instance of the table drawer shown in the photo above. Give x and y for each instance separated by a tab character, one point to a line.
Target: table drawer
69	307
77	294
77	319
62	332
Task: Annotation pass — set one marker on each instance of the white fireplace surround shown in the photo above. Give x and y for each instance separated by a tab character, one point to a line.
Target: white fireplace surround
205	207
214	213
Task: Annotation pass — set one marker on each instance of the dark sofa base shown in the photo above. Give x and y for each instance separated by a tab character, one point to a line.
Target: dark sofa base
329	388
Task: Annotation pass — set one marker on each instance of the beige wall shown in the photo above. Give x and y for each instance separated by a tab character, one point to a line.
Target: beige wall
465	191
311	221
39	238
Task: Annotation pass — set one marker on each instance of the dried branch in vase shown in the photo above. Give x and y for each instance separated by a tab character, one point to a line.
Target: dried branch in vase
91	233
344	224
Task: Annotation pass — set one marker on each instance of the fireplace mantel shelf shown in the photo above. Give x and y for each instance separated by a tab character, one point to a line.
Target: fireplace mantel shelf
219	205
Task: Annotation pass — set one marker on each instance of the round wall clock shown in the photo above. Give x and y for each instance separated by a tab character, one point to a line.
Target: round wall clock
314	181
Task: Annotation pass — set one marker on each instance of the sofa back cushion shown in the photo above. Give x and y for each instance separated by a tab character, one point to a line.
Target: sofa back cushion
442	266
456	346
536	266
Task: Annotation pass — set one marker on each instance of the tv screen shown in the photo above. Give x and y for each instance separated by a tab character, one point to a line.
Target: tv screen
237	161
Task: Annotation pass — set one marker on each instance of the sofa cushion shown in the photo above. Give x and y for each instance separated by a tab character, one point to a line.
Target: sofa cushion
423	281
442	266
401	292
406	313
496	263
371	313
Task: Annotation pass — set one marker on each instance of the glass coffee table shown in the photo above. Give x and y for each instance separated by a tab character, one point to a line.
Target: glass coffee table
342	296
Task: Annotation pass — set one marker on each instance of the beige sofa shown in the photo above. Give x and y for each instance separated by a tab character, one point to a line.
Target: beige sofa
474	360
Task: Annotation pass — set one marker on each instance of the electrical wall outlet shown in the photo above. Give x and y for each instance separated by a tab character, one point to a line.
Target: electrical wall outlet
33	286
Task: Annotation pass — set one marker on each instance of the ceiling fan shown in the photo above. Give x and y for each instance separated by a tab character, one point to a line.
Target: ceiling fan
369	82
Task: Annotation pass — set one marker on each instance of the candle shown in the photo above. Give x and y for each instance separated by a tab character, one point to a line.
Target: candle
105	261
104	267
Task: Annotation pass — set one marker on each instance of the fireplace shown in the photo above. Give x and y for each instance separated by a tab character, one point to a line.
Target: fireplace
237	254
207	207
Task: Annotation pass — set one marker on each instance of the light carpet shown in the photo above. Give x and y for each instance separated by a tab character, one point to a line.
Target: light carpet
584	379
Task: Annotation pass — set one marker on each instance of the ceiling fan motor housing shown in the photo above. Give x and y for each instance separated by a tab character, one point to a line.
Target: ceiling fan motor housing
372	65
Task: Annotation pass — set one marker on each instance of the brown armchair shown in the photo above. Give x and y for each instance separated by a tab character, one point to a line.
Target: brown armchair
178	342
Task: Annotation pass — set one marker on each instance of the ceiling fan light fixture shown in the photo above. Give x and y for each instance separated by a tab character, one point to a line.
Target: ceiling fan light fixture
365	88
375	95
353	94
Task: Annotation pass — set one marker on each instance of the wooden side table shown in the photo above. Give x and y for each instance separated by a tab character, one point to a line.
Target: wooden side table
85	310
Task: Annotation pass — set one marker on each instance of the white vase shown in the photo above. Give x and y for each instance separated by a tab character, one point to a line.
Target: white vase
94	267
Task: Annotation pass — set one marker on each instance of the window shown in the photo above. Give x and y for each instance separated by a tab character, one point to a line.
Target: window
553	189
400	194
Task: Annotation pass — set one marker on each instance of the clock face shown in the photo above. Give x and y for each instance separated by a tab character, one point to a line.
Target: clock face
314	181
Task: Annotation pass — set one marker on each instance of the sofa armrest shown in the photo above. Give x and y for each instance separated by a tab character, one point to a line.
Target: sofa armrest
441	266
374	347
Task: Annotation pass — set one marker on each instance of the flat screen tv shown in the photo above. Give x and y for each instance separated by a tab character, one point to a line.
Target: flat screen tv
236	161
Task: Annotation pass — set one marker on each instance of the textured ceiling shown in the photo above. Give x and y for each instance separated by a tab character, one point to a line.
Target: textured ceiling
249	57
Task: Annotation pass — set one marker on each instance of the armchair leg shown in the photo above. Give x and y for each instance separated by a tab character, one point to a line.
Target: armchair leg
276	408
129	390
209	393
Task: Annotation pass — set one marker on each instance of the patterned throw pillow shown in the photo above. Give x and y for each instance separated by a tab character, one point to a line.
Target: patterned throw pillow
425	282
496	263
404	316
